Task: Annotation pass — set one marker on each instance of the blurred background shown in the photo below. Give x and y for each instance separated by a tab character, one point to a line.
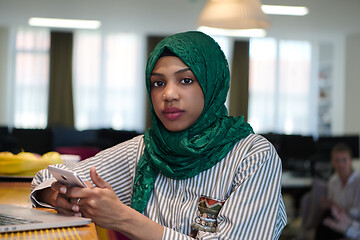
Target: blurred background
108	63
297	84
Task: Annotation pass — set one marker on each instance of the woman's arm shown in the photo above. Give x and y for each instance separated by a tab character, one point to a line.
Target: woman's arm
101	202
116	164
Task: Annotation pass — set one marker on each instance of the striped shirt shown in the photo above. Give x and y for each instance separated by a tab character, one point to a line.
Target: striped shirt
346	196
248	179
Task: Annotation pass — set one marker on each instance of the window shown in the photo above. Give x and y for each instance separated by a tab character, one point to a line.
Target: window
31	78
279	87
108	81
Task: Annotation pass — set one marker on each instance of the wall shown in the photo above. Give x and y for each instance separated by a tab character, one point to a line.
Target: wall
339	79
4	53
352	85
345	116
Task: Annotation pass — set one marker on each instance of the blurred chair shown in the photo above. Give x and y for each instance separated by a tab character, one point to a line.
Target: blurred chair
311	209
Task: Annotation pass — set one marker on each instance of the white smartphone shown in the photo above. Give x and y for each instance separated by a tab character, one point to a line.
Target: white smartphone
66	177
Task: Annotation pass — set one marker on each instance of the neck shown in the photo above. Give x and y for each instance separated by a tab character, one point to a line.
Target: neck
345	177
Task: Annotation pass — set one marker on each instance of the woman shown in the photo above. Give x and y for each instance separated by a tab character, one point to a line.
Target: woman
196	172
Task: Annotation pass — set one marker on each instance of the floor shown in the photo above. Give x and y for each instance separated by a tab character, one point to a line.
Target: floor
292	231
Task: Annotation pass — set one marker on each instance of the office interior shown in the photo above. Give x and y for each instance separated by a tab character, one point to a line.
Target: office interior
329	23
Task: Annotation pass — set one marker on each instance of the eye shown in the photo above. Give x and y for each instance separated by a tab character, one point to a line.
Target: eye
157	83
186	81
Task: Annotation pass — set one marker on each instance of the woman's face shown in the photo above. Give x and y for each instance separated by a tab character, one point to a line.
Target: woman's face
176	95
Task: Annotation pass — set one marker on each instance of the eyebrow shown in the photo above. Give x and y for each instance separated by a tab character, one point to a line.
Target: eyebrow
177	72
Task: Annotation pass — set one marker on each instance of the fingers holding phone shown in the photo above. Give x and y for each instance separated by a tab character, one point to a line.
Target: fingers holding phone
66	181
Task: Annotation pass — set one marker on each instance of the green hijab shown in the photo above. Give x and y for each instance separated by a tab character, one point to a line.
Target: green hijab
184	154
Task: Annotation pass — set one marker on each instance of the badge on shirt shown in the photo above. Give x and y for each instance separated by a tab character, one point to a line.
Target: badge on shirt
206	219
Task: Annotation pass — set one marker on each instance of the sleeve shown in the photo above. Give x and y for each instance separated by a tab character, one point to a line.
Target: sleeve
353	231
354	208
255	208
115	165
170	234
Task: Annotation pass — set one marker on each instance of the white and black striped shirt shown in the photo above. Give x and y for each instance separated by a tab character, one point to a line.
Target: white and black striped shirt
248	179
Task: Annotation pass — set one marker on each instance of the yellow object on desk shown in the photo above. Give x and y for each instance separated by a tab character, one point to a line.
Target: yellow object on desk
26	163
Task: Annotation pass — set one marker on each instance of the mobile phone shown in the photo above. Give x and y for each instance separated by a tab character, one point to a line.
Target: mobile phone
66	177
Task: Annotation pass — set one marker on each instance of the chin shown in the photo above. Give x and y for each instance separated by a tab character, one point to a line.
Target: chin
174	127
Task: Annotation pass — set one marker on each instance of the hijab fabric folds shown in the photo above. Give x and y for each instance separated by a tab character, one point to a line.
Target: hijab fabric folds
184	154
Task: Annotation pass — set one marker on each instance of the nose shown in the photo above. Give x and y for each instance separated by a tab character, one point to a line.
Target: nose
171	92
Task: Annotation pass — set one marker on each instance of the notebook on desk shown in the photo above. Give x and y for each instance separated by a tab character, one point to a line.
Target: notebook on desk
15	218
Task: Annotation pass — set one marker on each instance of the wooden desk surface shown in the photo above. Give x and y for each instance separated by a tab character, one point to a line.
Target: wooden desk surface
17	193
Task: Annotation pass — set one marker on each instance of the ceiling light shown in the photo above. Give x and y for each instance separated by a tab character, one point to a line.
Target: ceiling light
285	10
233	32
233	14
64	23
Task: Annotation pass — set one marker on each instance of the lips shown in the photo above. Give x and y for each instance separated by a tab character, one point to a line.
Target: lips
172	113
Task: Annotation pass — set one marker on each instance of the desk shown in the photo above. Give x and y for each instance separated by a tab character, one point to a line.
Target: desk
17	193
292	181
